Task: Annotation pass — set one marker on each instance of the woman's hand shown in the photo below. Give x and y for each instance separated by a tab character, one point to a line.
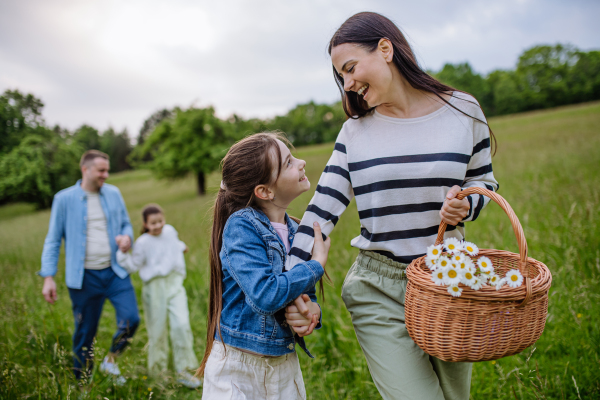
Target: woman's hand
302	325
320	248
454	210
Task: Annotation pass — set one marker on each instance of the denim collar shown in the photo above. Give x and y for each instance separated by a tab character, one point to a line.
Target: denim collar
261	216
82	192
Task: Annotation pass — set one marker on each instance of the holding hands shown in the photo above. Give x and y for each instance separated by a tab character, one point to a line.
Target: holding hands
304	315
124	243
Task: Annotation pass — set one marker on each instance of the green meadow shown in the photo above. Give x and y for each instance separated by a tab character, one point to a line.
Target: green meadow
548	166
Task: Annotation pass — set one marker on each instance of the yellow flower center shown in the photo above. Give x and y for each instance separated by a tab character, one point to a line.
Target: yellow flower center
440	275
457	258
435	252
452	273
455	288
469	248
514	278
468	275
484	264
451	247
444	263
493	279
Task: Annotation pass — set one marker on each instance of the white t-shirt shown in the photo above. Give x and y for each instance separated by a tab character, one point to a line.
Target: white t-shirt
97	249
155	255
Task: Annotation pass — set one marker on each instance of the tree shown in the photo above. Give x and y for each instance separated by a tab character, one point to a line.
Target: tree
193	141
118	147
20	114
40	166
462	77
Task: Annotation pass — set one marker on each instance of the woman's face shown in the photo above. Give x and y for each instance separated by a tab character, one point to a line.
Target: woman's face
367	73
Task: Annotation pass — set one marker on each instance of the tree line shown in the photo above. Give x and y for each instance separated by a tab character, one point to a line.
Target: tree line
36	161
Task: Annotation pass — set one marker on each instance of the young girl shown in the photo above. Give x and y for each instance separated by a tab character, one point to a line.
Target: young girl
158	256
250	348
410	144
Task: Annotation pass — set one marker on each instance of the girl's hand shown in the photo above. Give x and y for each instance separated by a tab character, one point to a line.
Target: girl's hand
123	242
302	325
320	248
454	210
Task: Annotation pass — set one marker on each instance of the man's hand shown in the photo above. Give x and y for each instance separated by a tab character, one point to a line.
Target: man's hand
124	243
49	289
454	210
302	325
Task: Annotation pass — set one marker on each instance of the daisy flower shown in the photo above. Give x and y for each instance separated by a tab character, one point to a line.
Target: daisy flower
437	276
500	283
468	277
514	278
477	283
453	245
451	276
466	265
485	264
454	290
471	248
431	263
443	262
493	279
434	251
458	257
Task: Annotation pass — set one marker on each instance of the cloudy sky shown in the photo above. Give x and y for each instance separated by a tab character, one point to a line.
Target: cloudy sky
114	62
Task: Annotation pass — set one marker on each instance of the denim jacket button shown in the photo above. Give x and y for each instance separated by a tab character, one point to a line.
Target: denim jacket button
291	346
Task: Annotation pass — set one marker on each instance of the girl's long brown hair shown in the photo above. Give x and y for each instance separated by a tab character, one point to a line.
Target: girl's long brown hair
366	29
255	160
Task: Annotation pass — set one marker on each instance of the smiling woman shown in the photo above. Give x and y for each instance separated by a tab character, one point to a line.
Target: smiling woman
409	146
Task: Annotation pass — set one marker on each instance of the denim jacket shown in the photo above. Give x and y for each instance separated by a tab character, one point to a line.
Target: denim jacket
256	290
68	220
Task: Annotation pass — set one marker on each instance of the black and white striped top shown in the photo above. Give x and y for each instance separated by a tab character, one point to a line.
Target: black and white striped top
399	171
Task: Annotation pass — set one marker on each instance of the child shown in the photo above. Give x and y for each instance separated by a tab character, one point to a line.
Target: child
250	348
158	255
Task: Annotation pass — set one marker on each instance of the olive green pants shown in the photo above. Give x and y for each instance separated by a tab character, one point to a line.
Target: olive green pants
374	292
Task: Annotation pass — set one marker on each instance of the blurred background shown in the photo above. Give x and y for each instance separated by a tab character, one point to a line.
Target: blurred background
166	87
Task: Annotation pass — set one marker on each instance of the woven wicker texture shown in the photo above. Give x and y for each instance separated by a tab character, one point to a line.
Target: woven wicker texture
481	325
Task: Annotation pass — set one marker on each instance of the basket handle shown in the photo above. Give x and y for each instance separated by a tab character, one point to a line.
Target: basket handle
517	228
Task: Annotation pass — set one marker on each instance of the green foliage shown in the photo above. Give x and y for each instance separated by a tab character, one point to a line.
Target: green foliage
19	115
310	123
545	76
193	141
37	168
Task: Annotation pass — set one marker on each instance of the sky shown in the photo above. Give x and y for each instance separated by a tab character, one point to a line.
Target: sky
115	62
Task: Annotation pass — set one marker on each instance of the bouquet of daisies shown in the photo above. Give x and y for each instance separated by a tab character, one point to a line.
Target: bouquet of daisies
454	262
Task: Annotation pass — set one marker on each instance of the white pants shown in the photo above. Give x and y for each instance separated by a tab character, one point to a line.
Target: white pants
166	297
237	375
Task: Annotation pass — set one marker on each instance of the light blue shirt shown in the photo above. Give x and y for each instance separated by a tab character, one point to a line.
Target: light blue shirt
68	220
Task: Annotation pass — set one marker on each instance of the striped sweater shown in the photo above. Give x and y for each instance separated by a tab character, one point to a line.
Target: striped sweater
399	170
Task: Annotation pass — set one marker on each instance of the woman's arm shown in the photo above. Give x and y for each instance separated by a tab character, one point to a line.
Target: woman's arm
331	198
246	259
479	170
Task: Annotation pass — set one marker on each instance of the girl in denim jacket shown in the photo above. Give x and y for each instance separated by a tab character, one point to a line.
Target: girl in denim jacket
250	351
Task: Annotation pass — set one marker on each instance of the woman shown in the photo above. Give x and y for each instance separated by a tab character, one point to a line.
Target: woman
409	146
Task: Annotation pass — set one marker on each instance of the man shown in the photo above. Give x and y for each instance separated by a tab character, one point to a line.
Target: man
92	218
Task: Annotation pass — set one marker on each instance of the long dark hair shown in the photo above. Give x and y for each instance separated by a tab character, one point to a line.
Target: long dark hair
147	211
255	160
366	29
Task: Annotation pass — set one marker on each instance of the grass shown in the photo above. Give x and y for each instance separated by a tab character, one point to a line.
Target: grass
547	165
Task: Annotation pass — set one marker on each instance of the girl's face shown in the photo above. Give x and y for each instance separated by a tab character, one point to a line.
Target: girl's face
292	181
367	73
155	223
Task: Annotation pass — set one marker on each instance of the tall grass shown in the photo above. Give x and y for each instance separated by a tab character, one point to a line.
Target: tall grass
548	168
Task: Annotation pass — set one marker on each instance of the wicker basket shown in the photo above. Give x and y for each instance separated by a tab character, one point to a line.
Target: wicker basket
481	325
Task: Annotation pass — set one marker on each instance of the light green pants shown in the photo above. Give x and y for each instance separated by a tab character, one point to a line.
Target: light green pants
165	297
374	292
